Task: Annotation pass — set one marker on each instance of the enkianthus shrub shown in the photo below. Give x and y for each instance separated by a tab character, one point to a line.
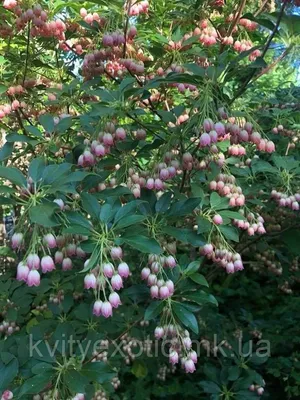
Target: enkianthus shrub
144	187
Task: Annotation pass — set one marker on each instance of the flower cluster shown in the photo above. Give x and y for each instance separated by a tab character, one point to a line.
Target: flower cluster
107	275
137	8
253	224
28	269
40	24
225	186
8	328
223	257
258	389
286	200
90	18
160	286
100	147
180	346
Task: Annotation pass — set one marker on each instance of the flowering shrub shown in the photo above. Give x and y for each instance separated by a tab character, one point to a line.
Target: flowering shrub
145	178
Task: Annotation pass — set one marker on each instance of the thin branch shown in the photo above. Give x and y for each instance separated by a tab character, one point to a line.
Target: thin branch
237	17
144	126
20	122
234	22
261	9
183	181
21	154
19	118
284	4
216	28
25	116
27	53
243	88
272	65
126	30
271	235
5	125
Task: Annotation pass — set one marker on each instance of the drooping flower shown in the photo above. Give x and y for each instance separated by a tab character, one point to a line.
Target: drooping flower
116	282
22	272
47	264
114	300
106	309
33	278
90	281
123	270
97	308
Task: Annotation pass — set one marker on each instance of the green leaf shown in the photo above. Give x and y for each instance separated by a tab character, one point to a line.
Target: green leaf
153	310
54	172
230	233
43	214
210	387
128	208
64	124
201	297
75	381
3	88
13	175
256	359
76	230
217	202
204	225
41	367
101	111
196	69
184	235
6	200
287	163
78	219
223	146
258	166
98	372
36	384
192	268
197	191
139	369
73	177
231	215
6	151
186	317
163	203
143	244
47	121
6	189
130	220
185	207
16	137
233	373
9	367
211	372
106	213
34	131
92	260
36	169
199	278
90	205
